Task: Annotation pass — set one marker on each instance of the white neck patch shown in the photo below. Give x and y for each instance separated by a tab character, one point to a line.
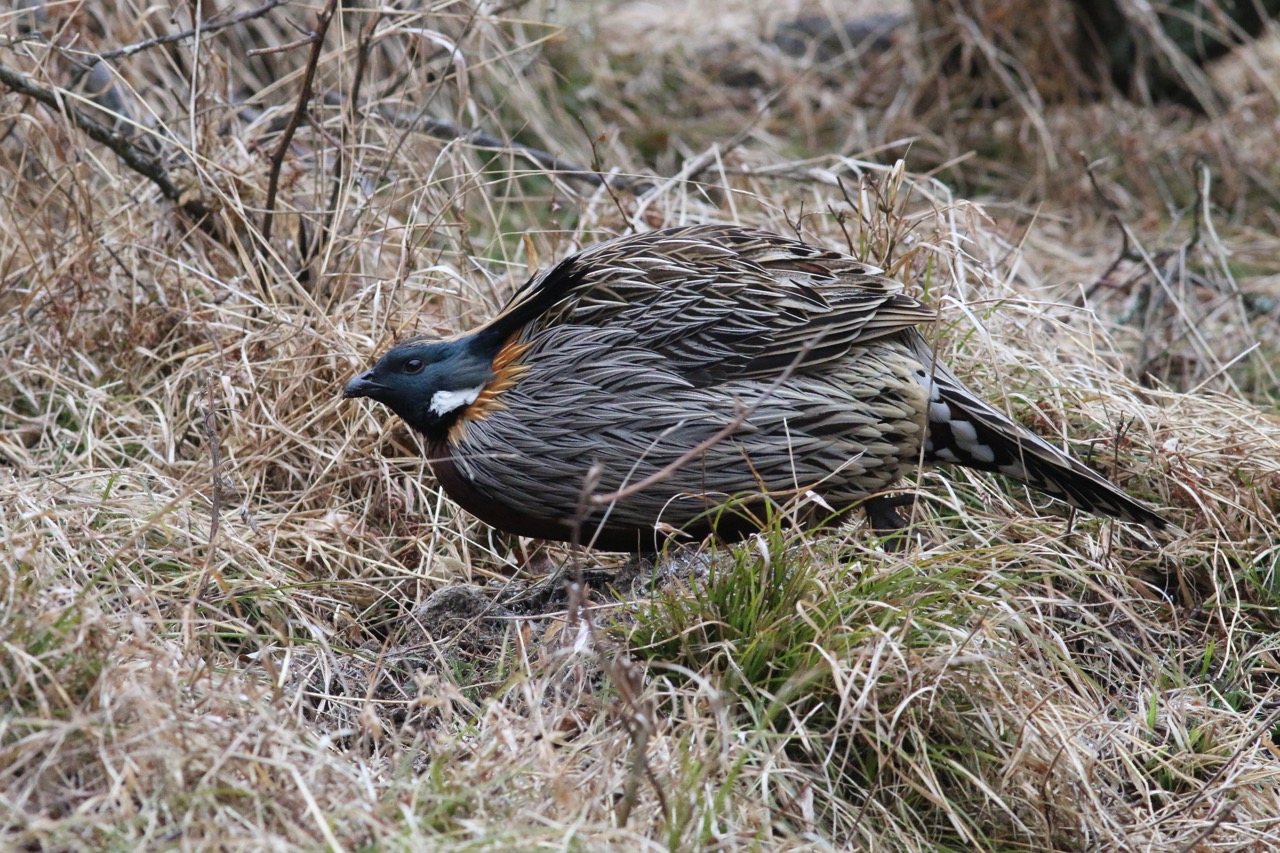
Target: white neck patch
444	402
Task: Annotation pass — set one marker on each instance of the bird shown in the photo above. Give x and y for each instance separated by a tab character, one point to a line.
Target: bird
700	377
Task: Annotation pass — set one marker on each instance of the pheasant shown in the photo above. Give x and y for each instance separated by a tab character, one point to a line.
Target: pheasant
692	376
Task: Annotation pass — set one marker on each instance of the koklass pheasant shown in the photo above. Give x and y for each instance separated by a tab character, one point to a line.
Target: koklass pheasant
635	354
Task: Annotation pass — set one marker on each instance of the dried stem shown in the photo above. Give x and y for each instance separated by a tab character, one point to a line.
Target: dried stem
702	447
205	29
295	120
209	427
441	129
145	164
348	132
628	680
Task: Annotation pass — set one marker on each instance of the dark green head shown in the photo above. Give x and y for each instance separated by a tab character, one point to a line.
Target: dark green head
427	384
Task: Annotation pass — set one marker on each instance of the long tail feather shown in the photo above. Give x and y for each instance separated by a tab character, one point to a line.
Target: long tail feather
964	430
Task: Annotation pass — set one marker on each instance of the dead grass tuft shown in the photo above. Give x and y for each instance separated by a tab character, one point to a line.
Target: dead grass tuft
237	613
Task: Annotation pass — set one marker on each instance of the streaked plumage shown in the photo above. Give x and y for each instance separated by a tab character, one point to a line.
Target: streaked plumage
632	352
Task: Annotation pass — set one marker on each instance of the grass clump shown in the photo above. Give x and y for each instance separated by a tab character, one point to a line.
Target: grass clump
239	613
872	678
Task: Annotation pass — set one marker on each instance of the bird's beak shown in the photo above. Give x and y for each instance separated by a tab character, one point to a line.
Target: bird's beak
364	386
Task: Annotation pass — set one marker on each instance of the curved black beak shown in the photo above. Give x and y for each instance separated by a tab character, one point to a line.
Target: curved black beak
364	386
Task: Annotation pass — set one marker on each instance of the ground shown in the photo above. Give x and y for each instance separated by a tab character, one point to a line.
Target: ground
238	613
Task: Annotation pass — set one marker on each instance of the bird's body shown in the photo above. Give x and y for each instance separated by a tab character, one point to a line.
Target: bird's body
704	364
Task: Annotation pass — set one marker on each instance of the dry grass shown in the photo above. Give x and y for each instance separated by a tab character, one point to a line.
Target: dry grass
237	613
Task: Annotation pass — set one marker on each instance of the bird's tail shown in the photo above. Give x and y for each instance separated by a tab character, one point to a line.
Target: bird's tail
964	430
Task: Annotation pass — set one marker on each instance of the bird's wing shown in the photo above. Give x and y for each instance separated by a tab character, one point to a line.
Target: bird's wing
718	301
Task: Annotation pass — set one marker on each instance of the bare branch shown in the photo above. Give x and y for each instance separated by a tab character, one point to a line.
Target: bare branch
207	28
441	129
304	97
309	38
350	117
142	162
209	426
702	447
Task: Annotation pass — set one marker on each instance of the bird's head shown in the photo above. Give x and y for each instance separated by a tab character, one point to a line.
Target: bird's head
427	384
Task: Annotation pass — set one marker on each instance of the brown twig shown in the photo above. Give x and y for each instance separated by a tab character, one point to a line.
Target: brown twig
135	158
207	28
701	447
209	427
295	120
595	167
628	680
626	677
1259	731
363	47
309	38
567	169
1194	844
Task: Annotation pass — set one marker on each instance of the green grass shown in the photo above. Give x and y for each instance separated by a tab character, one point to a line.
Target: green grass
788	640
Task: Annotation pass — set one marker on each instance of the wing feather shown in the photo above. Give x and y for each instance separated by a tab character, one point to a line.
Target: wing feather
718	302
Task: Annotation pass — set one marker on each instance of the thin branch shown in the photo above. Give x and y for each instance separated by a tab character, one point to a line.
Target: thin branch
701	447
627	678
209	429
307	39
363	48
304	97
135	158
1194	844
209	426
595	167
441	129
205	29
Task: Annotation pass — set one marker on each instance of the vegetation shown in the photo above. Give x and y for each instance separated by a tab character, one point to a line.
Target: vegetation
238	614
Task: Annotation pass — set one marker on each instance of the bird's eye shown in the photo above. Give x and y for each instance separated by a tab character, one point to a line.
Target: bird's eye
413	365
